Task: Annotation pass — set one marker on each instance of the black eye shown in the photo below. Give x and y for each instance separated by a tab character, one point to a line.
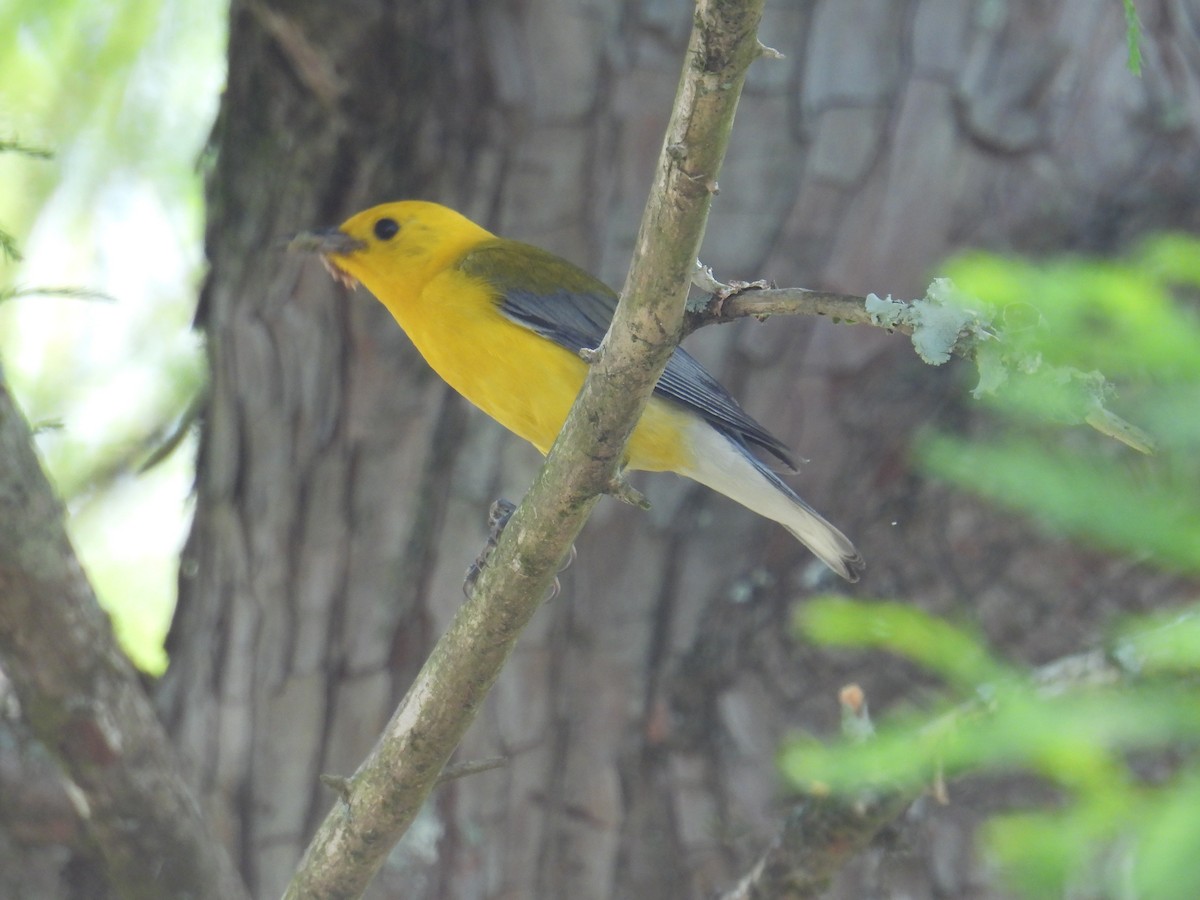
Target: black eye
386	229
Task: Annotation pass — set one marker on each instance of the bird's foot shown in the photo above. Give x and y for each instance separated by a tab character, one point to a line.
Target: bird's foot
556	587
499	513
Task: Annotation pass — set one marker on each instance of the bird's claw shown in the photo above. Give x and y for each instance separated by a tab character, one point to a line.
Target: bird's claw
499	513
556	587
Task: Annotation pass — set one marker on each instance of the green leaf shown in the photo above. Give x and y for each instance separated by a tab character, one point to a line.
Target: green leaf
1165	642
1079	494
955	653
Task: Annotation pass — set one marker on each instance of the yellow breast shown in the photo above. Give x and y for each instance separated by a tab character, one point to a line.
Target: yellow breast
524	381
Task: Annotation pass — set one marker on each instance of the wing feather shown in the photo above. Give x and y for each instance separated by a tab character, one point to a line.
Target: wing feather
564	304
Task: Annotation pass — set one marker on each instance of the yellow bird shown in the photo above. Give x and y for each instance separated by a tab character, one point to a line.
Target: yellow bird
504	322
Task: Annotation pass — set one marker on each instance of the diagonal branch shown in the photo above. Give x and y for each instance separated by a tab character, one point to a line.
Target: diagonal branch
385	794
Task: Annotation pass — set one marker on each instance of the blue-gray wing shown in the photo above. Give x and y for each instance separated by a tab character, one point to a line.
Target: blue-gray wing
564	304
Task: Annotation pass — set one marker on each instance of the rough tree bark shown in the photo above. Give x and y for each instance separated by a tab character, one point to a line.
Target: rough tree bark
342	491
81	698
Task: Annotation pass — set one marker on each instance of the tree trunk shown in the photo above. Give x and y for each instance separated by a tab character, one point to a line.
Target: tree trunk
342	490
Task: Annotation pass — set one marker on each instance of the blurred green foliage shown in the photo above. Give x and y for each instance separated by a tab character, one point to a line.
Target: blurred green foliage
1117	734
95	331
1133	38
1132	322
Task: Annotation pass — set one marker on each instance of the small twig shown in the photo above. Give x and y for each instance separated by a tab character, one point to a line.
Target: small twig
942	324
760	303
9	249
25	150
620	488
70	293
471	767
339	783
310	64
171	440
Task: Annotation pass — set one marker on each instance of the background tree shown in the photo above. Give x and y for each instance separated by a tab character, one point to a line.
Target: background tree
95	342
342	491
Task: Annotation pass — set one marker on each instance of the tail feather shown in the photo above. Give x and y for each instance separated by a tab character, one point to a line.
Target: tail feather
730	469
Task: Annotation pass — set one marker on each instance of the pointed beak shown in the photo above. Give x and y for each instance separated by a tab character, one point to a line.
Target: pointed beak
328	243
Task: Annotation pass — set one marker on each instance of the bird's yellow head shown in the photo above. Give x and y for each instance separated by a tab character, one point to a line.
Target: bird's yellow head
393	244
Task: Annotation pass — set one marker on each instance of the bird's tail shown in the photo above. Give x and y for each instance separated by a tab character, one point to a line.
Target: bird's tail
730	469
